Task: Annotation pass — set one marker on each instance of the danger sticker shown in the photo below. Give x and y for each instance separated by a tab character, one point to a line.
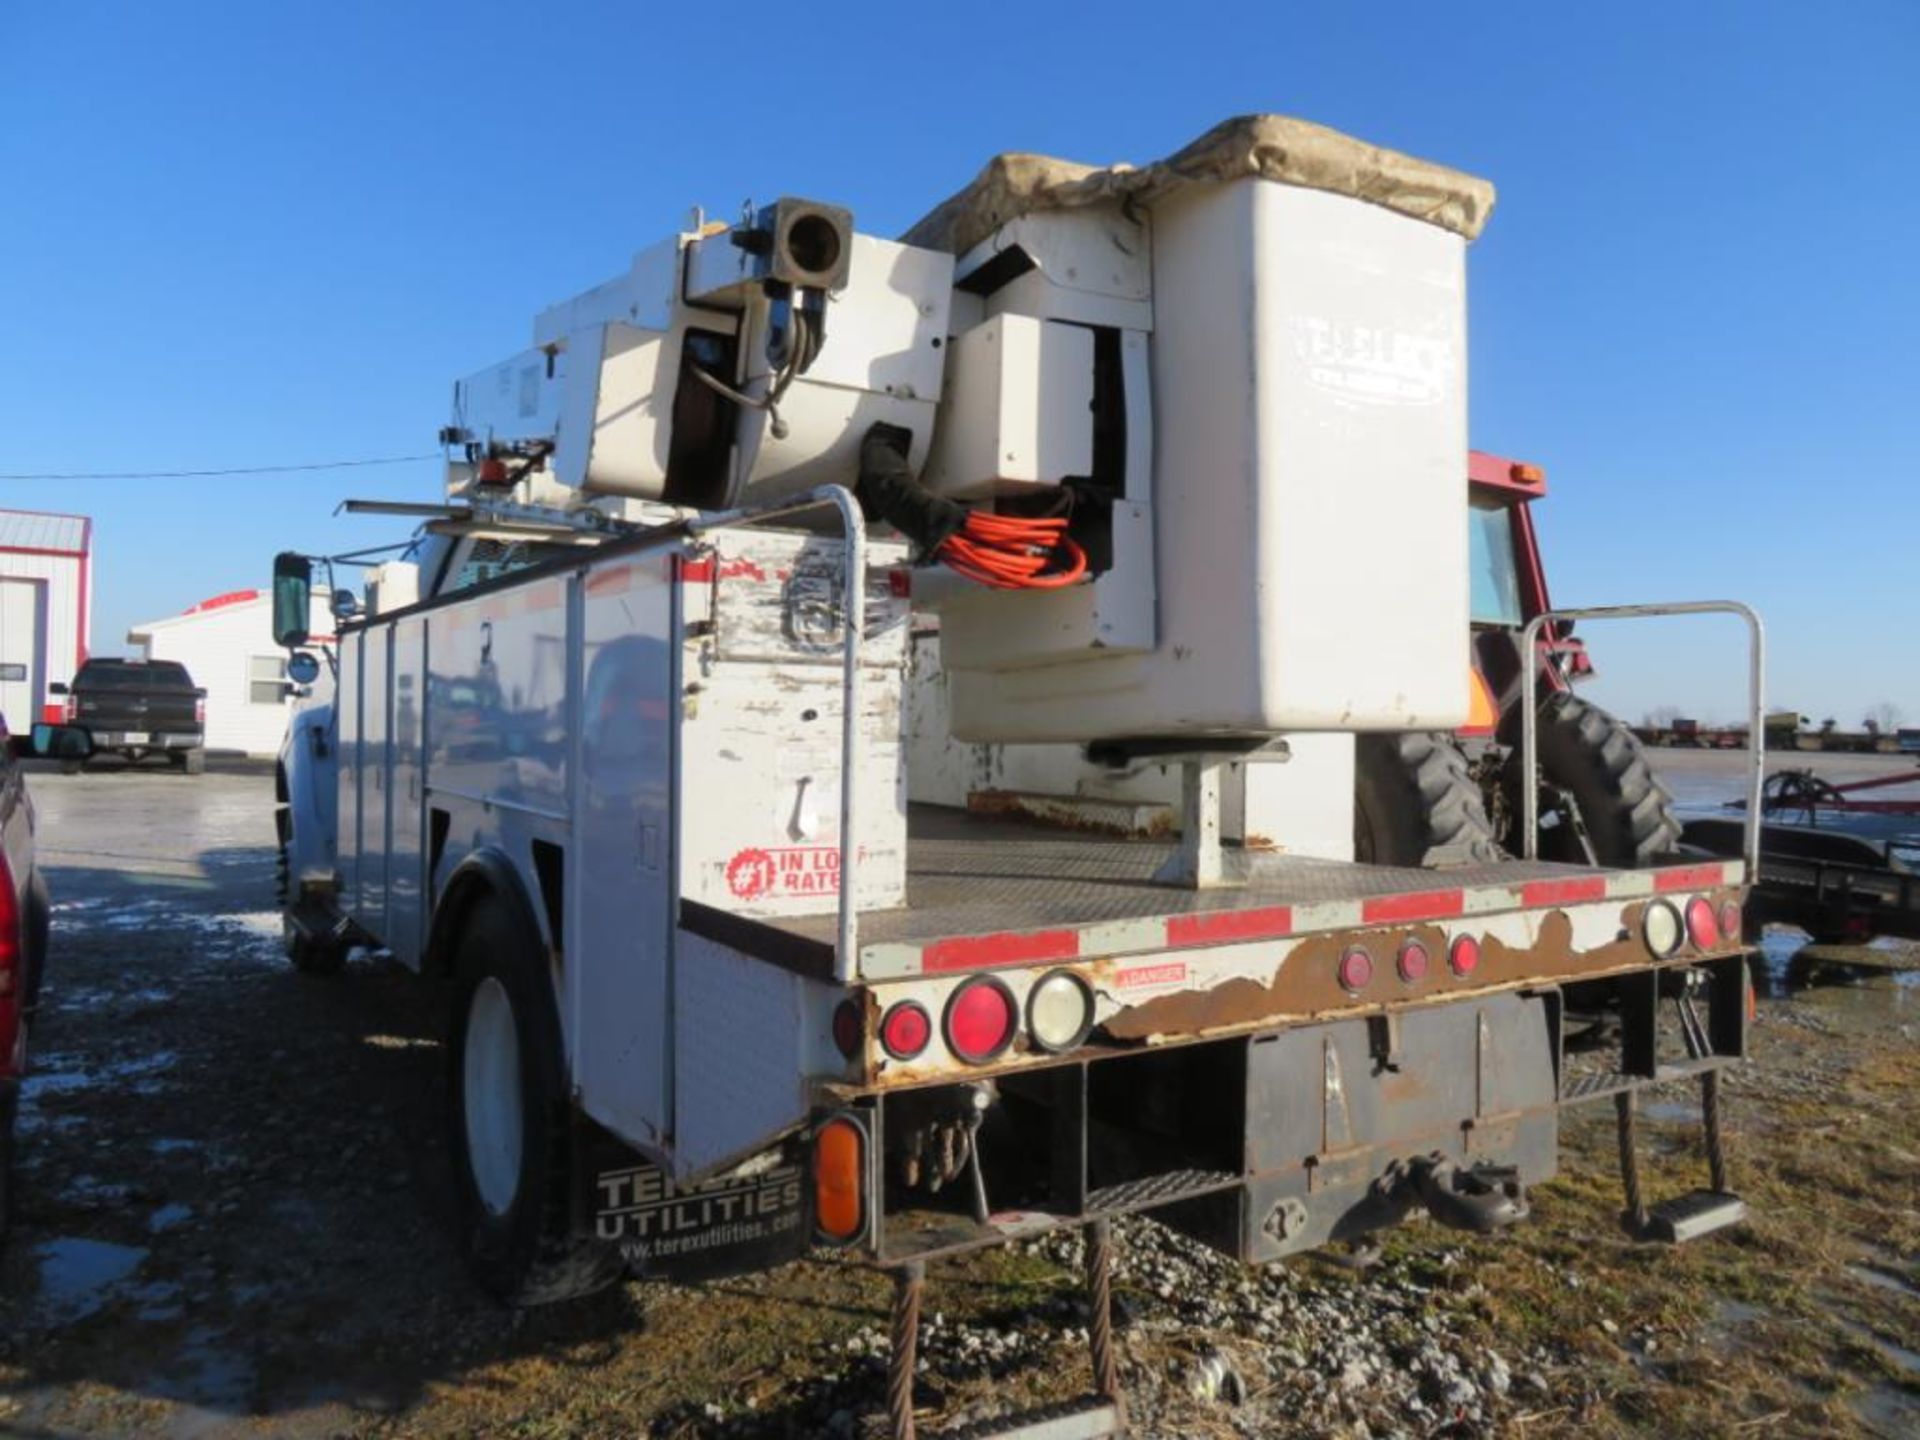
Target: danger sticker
1142	977
755	874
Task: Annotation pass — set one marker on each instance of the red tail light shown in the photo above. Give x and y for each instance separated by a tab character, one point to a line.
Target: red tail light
905	1030
848	1027
1356	969
13	978
981	1018
200	711
1730	920
1702	926
73	707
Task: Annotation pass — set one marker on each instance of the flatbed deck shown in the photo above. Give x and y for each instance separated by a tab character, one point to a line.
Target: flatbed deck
987	890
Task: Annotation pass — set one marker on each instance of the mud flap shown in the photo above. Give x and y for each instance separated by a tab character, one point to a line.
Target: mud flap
757	1215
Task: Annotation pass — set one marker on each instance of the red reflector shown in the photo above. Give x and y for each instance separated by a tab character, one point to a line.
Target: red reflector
1464	956
847	1027
905	1030
1356	969
1412	962
980	1020
1702	928
1730	920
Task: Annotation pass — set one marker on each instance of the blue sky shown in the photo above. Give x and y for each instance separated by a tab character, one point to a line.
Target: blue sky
248	234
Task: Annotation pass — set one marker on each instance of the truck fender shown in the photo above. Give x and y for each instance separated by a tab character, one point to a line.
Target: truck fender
305	781
486	871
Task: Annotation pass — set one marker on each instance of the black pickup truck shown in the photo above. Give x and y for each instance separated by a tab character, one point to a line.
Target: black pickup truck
139	708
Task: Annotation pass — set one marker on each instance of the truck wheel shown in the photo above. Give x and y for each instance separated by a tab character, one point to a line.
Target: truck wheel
311	955
1595	758
194	761
71	767
1415	804
508	1118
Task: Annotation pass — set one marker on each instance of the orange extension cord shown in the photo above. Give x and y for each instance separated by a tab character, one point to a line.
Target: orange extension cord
1012	552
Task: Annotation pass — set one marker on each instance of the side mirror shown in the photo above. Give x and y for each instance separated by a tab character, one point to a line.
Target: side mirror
52	742
58	687
303	668
292	598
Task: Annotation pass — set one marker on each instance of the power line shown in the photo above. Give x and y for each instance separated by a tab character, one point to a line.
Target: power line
237	470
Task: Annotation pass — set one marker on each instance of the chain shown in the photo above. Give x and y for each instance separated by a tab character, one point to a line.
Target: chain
1106	1367
1710	1123
1623	1109
908	1281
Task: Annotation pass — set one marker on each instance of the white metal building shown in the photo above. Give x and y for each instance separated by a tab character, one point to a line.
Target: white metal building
226	643
46	589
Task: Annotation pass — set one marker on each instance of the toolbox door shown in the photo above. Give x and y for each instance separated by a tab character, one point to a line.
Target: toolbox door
620	866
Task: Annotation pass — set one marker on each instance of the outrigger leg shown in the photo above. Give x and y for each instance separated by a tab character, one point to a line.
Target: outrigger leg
1095	1417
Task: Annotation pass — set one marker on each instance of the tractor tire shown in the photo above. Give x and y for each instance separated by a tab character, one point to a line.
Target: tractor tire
508	1121
1415	804
1597	760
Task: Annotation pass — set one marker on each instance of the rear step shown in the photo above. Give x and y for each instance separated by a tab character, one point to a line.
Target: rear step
1688	1217
1698	1212
1091	1419
1094	1417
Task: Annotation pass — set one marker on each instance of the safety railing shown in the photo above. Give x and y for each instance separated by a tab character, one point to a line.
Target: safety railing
1756	686
853	609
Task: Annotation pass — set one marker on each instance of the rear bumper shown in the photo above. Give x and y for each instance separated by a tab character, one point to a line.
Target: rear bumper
145	741
1270	1143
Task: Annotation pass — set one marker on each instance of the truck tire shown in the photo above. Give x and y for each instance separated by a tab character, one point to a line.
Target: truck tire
508	1118
194	761
1597	760
314	955
1415	804
311	954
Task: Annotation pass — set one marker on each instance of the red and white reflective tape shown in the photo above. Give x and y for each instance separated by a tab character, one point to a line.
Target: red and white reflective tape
1162	933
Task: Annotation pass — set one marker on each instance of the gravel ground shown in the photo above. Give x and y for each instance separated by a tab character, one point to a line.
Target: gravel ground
232	1223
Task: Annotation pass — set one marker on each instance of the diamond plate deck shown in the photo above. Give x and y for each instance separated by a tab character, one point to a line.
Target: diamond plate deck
973	875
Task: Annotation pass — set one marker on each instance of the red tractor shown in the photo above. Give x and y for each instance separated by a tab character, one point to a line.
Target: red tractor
1438	798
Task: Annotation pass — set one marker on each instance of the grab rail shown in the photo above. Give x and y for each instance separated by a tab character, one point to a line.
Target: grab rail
1756	733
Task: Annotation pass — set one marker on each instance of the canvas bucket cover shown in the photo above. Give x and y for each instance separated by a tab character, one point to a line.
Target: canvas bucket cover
1272	147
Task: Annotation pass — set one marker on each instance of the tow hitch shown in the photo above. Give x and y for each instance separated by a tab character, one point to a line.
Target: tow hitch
1479	1198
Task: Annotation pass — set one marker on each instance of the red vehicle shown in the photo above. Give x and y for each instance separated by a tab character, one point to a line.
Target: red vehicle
24	915
1427	798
